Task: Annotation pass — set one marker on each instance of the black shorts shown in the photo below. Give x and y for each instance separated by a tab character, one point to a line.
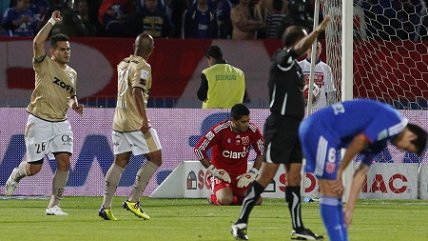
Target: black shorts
282	144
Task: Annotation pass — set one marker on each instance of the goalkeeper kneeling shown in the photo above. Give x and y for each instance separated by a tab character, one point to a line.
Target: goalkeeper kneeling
230	142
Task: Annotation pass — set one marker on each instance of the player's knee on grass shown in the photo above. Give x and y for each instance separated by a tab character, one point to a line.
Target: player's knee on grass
224	199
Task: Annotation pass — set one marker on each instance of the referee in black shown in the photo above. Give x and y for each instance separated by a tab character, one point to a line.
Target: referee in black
282	143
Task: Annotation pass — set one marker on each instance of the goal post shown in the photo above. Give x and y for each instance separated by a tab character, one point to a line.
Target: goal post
346	60
379	50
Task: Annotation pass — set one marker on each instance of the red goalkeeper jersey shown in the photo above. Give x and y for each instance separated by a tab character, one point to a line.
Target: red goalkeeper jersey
229	149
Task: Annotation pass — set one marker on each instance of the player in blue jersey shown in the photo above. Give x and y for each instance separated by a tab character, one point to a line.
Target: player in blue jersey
360	126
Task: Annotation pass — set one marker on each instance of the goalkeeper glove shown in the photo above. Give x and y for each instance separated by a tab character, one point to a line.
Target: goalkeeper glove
245	179
219	173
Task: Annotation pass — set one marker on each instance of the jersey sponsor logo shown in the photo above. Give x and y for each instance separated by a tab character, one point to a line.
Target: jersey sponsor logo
131	61
63	85
235	154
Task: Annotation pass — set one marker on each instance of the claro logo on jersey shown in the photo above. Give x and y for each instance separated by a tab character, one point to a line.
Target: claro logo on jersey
235	154
397	183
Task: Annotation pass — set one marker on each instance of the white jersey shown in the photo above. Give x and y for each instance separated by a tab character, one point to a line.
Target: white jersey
323	78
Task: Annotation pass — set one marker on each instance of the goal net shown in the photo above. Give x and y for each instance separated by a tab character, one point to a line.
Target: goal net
390	57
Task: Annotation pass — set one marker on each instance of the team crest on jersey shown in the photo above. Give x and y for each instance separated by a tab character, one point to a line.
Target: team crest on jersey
330	167
144	74
245	140
210	135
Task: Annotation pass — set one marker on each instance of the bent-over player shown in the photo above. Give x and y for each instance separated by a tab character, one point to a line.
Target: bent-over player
360	126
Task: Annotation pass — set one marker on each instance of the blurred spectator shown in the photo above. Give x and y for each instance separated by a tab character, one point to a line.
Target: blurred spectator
265	8
41	10
297	14
71	24
93	7
83	12
175	10
222	9
153	20
245	22
19	20
274	19
118	18
200	21
4	4
161	4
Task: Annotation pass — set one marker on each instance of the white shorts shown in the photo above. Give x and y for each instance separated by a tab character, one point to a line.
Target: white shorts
46	138
135	142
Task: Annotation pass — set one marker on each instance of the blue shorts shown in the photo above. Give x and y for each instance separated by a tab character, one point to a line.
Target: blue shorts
321	148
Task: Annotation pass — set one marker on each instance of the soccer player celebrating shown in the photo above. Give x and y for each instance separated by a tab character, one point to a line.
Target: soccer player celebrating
132	133
231	141
360	126
287	107
48	131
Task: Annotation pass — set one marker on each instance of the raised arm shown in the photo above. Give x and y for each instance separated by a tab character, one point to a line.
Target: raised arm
43	34
304	44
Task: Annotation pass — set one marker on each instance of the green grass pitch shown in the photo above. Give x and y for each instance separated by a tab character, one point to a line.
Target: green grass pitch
194	220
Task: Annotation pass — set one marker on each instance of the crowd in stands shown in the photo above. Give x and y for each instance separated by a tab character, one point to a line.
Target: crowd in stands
212	19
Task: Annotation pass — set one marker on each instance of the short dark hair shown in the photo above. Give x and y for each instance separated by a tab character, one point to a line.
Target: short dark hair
277	4
292	35
58	38
238	111
215	52
421	141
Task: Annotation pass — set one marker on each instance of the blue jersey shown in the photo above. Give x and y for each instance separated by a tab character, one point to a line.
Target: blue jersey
328	130
377	121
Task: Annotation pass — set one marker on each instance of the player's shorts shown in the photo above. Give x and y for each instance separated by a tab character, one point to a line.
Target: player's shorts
135	142
320	148
282	145
218	184
47	138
